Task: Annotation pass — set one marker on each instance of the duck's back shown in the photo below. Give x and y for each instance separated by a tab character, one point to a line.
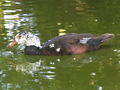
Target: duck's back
69	38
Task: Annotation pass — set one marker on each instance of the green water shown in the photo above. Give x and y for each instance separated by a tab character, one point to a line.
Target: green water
96	70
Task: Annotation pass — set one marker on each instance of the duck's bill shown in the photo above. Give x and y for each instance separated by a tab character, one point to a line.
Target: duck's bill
11	44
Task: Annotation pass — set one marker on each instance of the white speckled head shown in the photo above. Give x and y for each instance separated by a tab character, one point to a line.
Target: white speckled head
28	39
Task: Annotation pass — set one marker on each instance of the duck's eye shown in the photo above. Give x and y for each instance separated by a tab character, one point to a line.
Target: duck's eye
20	36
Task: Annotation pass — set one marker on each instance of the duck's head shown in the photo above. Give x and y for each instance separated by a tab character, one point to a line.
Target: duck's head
26	38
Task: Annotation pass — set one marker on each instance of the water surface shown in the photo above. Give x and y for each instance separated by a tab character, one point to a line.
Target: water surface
96	70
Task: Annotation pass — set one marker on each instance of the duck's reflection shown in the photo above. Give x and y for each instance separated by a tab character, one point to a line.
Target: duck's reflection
33	67
28	67
46	65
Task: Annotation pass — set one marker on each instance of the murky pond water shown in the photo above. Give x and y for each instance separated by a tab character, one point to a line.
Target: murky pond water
96	70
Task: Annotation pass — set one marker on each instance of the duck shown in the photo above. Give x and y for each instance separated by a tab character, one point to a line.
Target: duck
68	44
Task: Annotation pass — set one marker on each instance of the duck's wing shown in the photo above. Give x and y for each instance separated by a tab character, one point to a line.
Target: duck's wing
69	38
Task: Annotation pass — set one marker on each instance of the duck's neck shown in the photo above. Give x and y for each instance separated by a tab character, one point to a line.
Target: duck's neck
33	50
35	43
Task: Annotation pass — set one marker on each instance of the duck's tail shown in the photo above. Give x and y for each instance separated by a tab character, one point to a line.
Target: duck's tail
95	42
106	36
